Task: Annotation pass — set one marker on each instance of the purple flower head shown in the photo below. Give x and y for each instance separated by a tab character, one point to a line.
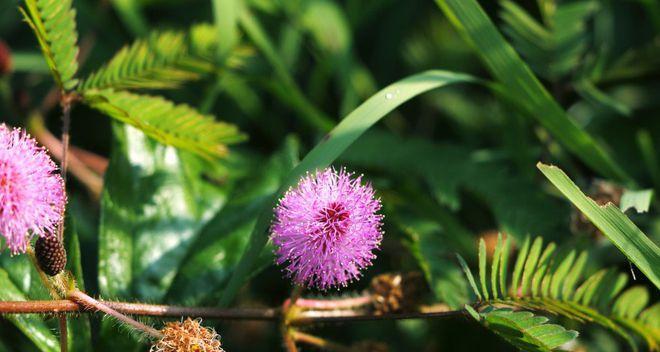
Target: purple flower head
32	196
326	229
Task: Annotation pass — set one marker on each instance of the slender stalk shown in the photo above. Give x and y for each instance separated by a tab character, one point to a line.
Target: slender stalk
83	165
319	342
92	304
52	290
63	333
333	304
263	314
289	342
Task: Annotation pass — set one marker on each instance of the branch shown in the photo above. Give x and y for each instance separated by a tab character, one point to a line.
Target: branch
264	314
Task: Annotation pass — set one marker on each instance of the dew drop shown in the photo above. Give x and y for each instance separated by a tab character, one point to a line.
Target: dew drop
389	96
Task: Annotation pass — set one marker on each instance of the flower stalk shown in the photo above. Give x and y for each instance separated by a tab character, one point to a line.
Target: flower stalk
90	303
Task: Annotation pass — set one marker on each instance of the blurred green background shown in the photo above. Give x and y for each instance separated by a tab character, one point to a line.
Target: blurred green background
451	166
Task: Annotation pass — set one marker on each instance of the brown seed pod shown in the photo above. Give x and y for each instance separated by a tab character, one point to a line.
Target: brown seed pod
50	254
391	293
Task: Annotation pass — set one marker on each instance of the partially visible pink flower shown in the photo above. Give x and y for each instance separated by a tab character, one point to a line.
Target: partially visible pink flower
327	228
32	197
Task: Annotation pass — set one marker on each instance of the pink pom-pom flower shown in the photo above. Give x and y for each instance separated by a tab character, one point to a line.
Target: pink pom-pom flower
327	228
32	196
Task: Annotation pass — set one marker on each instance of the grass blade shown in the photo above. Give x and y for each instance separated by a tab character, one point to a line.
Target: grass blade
614	224
523	86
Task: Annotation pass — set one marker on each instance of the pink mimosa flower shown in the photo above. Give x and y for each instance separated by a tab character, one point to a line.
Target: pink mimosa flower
327	228
32	197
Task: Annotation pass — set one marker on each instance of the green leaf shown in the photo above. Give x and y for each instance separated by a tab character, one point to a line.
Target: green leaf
292	94
32	326
631	302
483	273
614	224
556	47
504	265
494	269
560	274
212	259
596	97
518	267
530	265
342	136
426	242
54	24
154	203
177	125
527	331
541	267
468	274
161	61
523	87
573	276
594	301
639	200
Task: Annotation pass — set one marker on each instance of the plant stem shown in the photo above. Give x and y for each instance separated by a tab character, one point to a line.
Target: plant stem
262	314
63	333
319	342
333	304
92	304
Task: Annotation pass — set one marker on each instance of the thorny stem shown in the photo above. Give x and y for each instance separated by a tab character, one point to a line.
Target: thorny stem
319	342
91	304
63	333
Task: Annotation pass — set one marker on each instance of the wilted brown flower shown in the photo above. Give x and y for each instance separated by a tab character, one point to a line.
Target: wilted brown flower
392	293
188	336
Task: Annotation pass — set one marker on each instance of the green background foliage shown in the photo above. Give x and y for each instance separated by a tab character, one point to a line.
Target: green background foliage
217	107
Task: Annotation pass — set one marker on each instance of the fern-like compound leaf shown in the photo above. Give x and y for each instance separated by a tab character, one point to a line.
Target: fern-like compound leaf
526	331
54	24
548	282
178	125
161	61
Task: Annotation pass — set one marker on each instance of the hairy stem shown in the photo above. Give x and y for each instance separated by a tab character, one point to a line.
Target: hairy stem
91	304
263	314
333	304
63	333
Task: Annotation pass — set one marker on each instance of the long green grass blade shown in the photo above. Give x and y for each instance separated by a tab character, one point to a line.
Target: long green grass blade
335	142
523	87
614	224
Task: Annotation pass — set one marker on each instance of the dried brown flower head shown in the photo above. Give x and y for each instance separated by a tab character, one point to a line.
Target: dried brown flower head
187	336
391	293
